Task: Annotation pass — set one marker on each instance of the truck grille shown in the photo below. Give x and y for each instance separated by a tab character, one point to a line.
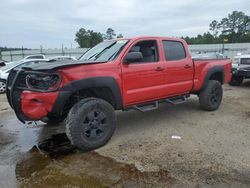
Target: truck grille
11	77
20	80
15	79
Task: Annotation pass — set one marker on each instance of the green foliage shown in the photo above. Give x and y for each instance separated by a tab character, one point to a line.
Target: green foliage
88	38
110	34
214	27
232	29
119	36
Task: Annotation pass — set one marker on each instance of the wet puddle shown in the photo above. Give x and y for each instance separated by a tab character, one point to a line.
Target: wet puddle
45	158
41	156
55	163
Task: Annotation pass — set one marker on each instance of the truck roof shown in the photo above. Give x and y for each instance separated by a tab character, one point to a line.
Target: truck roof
150	37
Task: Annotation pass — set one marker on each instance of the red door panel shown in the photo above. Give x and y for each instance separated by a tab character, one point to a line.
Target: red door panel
179	70
142	82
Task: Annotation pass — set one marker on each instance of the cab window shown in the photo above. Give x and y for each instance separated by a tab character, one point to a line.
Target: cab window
174	50
148	49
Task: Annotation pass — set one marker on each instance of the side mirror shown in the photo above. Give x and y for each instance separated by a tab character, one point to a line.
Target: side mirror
133	57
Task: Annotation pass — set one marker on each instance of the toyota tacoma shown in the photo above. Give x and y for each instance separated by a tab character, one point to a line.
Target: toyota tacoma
121	74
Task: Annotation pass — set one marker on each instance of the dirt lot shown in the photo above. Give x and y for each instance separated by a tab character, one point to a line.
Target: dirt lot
213	149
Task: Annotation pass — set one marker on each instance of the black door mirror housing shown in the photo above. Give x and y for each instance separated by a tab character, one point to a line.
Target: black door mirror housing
133	57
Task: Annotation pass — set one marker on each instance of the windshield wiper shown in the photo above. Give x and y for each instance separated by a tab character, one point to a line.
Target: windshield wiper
96	55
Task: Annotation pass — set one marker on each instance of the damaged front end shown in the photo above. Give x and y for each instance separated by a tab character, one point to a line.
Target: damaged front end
32	94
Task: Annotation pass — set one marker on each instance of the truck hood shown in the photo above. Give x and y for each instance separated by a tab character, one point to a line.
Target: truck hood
55	65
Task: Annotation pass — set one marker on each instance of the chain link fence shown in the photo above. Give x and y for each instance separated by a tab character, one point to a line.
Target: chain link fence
20	54
230	50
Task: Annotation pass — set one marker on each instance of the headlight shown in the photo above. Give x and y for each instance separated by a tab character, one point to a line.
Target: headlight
43	82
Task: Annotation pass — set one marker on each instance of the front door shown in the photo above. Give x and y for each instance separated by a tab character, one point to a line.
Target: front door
143	81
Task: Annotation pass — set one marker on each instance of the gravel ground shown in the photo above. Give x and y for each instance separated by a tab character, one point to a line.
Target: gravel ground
211	149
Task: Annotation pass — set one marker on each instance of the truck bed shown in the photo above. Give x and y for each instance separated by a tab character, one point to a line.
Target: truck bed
202	66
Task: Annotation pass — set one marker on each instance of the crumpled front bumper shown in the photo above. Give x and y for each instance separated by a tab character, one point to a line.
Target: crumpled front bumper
35	105
28	105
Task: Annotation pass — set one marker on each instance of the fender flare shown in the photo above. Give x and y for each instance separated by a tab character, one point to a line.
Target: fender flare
74	86
210	72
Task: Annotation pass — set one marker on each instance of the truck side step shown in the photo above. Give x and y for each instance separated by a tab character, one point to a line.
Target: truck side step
155	104
177	100
147	107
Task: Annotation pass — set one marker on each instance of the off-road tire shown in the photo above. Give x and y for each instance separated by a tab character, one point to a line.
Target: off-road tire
80	125
211	96
236	81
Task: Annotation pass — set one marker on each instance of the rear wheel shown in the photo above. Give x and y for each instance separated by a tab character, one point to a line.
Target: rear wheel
90	123
211	96
2	86
236	81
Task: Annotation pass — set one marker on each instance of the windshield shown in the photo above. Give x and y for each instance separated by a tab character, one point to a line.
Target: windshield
245	61
105	51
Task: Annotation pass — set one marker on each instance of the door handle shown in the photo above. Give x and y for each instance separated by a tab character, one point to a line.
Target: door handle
187	66
159	69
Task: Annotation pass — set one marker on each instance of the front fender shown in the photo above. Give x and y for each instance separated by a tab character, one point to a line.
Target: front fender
66	91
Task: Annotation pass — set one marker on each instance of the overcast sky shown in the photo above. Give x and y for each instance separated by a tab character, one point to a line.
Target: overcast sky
31	23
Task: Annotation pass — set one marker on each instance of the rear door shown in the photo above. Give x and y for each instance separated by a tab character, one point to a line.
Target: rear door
179	68
143	81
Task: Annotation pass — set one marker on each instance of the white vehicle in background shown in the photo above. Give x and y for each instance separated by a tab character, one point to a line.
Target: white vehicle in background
240	69
5	70
35	56
207	55
62	58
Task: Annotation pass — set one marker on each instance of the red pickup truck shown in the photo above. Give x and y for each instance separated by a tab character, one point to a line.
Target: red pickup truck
120	74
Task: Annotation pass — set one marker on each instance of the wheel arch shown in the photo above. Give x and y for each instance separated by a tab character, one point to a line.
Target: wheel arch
106	88
214	73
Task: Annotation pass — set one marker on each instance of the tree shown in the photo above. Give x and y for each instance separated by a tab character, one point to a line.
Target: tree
119	36
82	38
88	39
214	26
246	23
234	25
110	34
95	38
234	28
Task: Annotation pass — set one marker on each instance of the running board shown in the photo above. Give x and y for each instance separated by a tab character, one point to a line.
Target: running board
147	107
177	100
154	105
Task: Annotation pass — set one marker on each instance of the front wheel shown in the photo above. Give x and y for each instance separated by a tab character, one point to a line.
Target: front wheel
211	96
90	123
2	86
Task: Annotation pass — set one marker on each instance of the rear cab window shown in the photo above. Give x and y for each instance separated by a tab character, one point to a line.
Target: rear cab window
174	50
